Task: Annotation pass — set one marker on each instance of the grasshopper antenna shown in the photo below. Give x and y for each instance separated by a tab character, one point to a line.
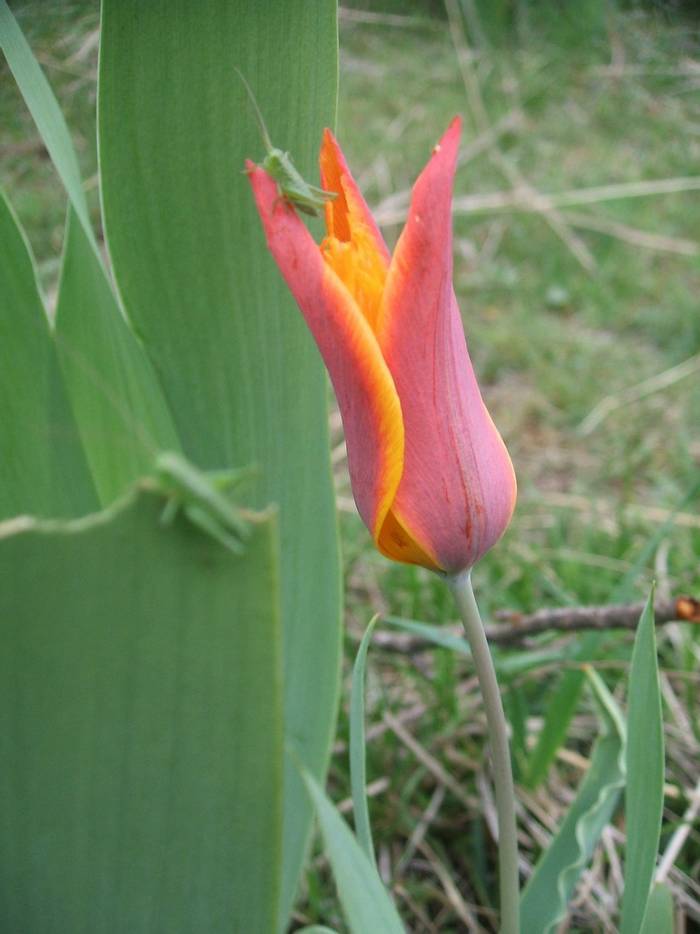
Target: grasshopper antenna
267	142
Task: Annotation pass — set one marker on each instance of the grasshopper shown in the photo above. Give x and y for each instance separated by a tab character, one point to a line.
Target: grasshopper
291	186
201	497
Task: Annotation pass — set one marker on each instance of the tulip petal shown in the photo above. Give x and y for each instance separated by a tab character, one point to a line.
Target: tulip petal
364	388
353	247
349	209
457	490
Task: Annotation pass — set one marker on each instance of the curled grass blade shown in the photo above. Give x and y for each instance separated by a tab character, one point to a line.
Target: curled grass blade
358	758
546	896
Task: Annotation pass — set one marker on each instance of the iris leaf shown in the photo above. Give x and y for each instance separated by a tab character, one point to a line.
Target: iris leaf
140	726
43	470
238	368
120	409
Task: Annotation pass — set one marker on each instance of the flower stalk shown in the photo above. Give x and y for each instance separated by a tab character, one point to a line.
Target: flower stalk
461	587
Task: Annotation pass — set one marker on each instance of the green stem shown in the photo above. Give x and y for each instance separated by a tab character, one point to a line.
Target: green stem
461	587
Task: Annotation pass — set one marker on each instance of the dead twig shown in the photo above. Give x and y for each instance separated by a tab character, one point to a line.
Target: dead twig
538	204
680	835
517	626
349	15
575	618
647	387
516	200
633	235
452	893
430	762
599	509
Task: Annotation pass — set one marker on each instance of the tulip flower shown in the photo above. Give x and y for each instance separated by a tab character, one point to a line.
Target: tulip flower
430	474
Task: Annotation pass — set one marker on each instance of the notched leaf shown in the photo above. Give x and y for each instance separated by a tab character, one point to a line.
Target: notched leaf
202	497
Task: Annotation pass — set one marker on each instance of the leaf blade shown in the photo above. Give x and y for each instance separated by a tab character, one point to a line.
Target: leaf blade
365	901
43	470
238	368
659	915
47	115
358	764
122	415
141	732
644	795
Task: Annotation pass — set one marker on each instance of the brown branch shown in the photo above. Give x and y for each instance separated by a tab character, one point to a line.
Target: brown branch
517	627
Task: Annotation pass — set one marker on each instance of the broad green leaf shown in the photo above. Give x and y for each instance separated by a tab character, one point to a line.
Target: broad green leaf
42	466
47	115
358	760
659	915
563	701
122	417
644	794
239	370
365	901
317	929
140	726
548	891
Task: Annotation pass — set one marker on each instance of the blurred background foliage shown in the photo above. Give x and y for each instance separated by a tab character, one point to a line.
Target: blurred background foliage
582	311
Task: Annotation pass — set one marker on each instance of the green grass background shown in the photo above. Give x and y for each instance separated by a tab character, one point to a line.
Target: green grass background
550	340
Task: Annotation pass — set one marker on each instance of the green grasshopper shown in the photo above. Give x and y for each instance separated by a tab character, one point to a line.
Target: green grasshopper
201	497
278	164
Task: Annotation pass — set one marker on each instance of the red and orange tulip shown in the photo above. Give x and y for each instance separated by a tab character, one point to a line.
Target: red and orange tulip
430	474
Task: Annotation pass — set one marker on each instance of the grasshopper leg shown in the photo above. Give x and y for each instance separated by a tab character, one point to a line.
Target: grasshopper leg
210	525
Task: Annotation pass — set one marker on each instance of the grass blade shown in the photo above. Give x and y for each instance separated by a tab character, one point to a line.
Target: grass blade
365	901
512	663
47	114
560	710
358	764
659	914
644	795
